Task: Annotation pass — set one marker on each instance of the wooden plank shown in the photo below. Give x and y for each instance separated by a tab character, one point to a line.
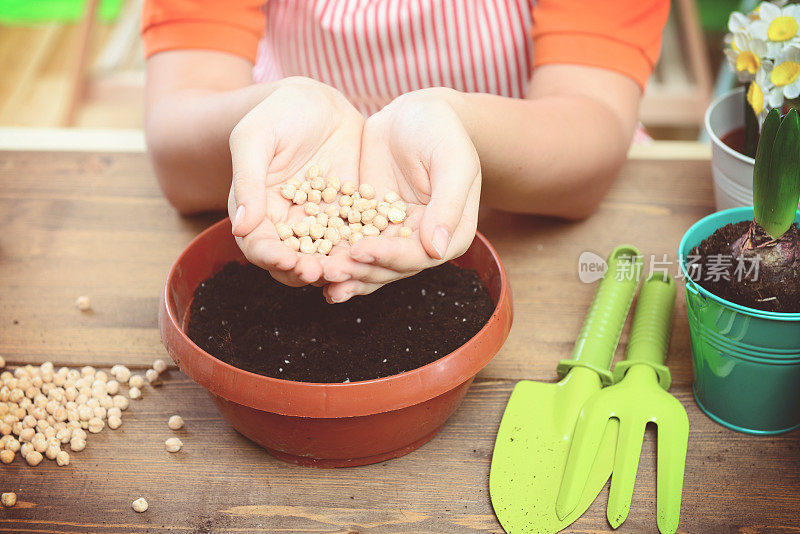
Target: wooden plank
76	224
96	224
220	482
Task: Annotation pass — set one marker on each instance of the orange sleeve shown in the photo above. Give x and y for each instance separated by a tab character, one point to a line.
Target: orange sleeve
619	35
233	26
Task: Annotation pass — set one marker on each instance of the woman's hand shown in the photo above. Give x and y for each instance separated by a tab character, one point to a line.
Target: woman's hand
417	147
301	123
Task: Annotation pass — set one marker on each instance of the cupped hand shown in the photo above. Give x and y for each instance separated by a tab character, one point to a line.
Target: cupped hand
417	147
300	124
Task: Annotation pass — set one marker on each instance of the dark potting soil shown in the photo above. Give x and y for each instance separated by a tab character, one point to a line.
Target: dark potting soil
245	318
763	274
735	139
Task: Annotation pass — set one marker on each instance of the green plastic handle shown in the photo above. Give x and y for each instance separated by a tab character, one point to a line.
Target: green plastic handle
601	329
652	324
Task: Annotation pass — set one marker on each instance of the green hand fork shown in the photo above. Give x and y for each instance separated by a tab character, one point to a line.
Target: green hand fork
639	397
534	435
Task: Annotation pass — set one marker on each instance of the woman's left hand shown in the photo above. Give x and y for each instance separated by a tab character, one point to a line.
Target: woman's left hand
418	147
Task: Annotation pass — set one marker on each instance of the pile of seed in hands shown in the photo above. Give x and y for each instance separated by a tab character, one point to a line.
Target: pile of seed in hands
42	408
337	211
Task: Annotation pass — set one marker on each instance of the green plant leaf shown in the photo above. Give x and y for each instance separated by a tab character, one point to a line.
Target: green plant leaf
776	177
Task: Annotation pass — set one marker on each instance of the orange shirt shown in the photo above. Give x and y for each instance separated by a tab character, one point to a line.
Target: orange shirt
621	35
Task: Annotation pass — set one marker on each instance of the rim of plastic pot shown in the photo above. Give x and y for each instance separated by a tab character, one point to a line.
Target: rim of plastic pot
336	400
713	135
746	213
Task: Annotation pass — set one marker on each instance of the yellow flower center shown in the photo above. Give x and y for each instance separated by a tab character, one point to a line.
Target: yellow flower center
747	61
785	73
755	97
782	29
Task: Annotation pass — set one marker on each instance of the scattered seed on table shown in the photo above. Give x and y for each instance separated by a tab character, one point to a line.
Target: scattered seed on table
175	422
77	444
114	422
152	377
121	402
136	381
62	458
96	425
7	456
83	303
123	374
160	366
405	231
139	505
8	499
34	458
173	444
135	393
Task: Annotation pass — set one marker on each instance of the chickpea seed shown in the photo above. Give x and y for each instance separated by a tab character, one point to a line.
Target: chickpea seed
301	228
396	215
324	246
139	505
135	393
300	197
366	191
62	458
160	366
152	377
368	215
284	230
292	242
96	425
136	381
312	172
77	444
83	303
345	200
332	235
7	456
370	230
329	194
355	237
307	245
322	218
288	191
332	211
173	444
314	196
354	216
348	187
316	231
8	499
114	422
175	422
34	458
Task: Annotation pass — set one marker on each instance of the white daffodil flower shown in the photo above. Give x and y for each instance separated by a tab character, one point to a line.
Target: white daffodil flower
745	55
785	75
776	25
762	95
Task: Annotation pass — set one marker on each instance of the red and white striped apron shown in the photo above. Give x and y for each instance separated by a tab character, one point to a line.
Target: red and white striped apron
376	50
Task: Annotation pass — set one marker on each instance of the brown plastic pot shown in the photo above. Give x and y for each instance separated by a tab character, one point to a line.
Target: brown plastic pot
330	425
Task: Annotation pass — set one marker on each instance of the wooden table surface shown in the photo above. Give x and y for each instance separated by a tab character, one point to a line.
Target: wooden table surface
95	224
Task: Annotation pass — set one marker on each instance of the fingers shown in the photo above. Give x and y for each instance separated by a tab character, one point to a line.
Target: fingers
263	248
455	175
344	291
399	254
342	268
252	149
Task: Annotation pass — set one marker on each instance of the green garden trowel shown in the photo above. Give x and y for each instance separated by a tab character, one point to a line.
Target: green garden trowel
533	441
638	397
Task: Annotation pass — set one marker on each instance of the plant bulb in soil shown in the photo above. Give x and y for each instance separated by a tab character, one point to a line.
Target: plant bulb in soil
742	263
245	318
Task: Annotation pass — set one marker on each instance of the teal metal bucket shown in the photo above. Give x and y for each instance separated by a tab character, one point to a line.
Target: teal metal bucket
746	361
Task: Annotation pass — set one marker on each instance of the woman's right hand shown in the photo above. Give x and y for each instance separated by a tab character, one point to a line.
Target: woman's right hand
301	123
